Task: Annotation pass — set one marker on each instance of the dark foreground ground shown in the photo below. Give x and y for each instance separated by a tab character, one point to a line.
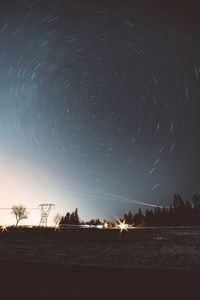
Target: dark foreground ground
98	264
41	281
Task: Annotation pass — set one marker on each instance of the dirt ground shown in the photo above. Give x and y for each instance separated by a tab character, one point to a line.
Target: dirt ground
144	248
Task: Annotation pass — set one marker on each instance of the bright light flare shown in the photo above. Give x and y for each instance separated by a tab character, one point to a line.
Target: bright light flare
105	225
122	226
3	228
57	227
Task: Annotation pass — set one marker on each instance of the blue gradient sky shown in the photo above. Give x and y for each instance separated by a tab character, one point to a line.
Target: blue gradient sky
99	105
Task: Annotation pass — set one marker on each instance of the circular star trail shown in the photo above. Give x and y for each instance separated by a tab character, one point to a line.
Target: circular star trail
104	95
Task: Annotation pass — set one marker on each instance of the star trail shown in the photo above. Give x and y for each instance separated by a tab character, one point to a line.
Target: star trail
101	98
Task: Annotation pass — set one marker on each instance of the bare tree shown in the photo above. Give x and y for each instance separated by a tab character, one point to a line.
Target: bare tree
20	212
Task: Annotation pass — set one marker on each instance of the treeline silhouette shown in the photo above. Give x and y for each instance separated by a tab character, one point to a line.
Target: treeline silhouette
74	219
71	218
180	213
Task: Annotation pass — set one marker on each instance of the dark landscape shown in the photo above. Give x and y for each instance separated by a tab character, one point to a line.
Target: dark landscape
81	261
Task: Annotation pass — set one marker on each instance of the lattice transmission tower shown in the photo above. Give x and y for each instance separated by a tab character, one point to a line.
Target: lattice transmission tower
45	211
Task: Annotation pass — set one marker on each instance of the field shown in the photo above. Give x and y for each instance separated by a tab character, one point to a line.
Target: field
86	257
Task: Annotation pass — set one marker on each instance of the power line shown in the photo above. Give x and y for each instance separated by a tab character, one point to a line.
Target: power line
30	208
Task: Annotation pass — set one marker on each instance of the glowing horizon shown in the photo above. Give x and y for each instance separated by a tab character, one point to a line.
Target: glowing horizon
24	183
29	187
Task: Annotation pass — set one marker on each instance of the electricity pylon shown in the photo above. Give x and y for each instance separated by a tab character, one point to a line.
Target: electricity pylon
45	211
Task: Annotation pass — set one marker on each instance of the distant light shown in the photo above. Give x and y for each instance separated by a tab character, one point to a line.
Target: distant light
100	226
122	226
57	227
3	228
105	225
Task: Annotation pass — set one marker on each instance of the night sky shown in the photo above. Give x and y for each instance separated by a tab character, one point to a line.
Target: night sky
100	103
